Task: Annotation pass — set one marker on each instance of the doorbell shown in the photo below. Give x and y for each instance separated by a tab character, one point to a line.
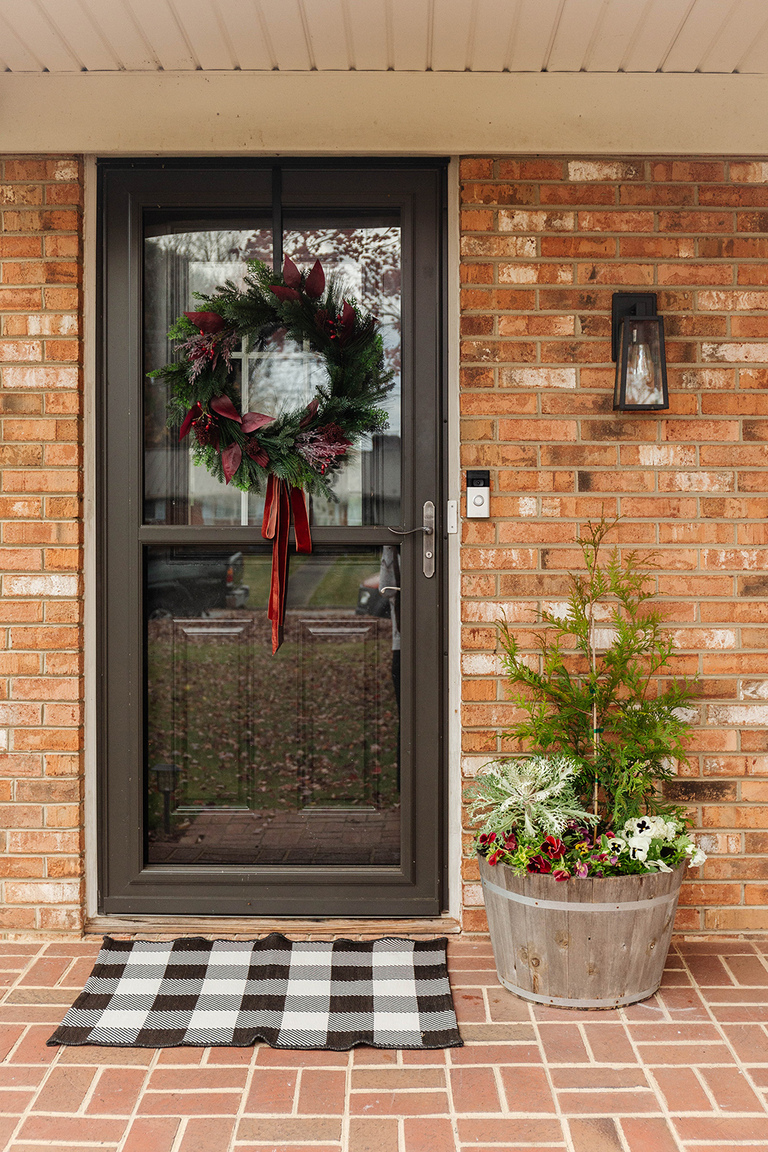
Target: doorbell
478	493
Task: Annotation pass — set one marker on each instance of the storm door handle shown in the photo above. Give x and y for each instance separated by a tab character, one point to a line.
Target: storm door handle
427	528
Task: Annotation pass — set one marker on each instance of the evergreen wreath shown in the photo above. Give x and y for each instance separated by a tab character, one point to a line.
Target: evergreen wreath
304	447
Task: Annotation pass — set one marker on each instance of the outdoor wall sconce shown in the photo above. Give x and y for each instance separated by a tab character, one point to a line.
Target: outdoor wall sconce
637	346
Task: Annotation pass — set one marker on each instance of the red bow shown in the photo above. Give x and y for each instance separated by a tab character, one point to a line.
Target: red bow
282	498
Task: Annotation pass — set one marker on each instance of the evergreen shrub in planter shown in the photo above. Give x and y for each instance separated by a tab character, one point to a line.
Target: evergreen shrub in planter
581	857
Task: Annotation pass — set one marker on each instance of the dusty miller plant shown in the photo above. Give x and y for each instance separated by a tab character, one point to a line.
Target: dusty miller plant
599	694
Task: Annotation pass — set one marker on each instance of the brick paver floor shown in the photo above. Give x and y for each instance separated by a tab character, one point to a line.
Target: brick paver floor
684	1072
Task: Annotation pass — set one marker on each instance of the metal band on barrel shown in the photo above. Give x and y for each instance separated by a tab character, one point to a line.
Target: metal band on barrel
577	906
563	1002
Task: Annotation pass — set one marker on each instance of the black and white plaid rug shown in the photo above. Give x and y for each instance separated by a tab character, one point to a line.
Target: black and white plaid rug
293	994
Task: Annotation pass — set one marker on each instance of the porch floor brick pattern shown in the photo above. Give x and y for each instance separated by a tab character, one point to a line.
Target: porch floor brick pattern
686	1071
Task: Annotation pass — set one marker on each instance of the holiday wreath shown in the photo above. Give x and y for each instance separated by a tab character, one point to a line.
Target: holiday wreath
295	451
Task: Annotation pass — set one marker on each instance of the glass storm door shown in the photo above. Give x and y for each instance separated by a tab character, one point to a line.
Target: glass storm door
234	781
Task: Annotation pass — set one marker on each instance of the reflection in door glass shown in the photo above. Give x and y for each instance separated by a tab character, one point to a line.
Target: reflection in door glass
255	759
180	260
366	255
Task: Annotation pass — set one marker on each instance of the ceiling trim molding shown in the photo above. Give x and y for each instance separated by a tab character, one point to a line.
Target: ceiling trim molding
375	113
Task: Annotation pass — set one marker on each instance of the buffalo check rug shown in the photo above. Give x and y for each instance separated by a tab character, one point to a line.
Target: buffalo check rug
389	993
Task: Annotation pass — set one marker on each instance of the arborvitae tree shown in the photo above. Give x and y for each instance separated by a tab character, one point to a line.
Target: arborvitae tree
599	693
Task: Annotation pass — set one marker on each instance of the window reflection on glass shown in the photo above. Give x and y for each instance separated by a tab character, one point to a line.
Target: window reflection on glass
367	257
258	759
180	260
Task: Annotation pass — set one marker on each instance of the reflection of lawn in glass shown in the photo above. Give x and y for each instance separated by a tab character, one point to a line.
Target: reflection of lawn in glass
257	573
241	751
338	588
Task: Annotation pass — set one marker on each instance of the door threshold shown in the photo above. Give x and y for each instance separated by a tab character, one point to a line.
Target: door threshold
246	927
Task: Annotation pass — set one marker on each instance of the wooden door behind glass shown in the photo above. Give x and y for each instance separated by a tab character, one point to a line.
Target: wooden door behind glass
291	783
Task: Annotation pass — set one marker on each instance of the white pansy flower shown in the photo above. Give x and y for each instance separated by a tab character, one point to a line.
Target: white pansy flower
654	826
642	826
638	846
664	829
659	865
695	855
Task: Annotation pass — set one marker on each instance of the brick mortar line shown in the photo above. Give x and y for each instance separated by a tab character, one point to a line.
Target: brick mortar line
90	1092
149	1068
346	1117
451	1112
626	1023
564	1126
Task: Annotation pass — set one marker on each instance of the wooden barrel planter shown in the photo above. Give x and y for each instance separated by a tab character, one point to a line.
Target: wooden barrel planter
593	943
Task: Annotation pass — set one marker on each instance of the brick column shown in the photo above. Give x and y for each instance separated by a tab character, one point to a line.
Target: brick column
41	565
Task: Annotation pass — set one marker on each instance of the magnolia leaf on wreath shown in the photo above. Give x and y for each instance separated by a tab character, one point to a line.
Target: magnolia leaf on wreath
303	447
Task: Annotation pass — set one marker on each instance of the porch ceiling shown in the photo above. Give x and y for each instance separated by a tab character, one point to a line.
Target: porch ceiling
684	36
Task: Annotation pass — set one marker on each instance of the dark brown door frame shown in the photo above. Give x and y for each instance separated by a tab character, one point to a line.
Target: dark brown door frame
127	886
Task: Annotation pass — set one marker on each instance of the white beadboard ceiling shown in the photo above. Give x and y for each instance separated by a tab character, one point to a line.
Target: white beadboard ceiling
714	36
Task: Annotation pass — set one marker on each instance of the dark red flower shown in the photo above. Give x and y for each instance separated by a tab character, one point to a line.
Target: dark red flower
561	874
494	859
539	864
208	322
207	431
256	452
510	841
554	848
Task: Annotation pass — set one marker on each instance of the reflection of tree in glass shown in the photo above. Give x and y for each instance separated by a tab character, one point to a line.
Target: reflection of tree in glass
368	259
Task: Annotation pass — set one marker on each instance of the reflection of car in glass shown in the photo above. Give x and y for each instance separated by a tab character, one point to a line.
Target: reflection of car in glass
183	582
370	601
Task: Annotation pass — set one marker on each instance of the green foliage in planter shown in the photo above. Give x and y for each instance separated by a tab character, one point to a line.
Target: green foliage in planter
599	694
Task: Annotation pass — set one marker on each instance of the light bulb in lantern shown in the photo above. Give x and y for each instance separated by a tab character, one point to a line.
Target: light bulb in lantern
641	372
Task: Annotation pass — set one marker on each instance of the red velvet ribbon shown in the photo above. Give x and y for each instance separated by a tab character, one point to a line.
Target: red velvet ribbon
282	499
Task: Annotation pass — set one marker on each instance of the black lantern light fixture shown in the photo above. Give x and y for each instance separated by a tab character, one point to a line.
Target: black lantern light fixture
637	346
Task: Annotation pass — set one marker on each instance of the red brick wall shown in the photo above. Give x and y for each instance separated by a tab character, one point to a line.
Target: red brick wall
544	244
40	567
